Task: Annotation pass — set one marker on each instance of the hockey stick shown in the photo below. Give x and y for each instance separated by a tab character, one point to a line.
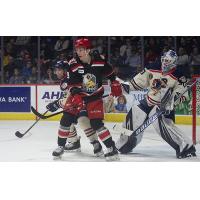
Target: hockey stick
43	116
126	143
20	135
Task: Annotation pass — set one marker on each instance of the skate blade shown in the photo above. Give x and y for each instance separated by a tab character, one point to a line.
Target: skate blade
112	158
188	157
99	154
57	157
74	150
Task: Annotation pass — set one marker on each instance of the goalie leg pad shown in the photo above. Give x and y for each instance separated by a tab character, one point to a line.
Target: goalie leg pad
125	144
134	119
171	134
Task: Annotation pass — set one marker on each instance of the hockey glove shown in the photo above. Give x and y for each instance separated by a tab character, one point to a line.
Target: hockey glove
116	89
52	107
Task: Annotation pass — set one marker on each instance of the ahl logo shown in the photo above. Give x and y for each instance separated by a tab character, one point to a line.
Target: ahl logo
52	95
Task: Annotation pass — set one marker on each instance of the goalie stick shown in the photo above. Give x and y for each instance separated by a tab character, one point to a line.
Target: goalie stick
20	135
126	143
43	116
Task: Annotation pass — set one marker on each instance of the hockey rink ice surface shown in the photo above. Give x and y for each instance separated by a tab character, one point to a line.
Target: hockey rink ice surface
38	144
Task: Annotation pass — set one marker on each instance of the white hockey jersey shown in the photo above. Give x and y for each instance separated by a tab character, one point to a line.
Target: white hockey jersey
157	84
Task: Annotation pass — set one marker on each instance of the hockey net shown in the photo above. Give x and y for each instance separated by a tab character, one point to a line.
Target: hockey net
196	110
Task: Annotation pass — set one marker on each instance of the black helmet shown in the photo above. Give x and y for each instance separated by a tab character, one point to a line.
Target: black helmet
61	64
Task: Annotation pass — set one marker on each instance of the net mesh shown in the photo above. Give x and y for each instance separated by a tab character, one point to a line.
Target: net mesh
197	113
198	97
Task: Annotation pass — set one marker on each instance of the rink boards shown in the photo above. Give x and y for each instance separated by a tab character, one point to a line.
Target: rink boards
15	102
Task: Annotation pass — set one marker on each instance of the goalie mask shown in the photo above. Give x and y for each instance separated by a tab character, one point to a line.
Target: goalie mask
168	60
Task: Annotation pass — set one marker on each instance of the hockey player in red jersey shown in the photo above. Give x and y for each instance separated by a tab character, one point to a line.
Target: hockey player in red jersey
67	131
88	69
158	82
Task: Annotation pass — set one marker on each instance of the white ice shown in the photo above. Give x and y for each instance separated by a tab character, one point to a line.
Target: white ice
38	144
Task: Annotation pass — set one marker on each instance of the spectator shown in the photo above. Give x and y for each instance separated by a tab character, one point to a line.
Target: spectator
46	51
33	77
114	56
195	56
170	43
183	58
10	47
62	44
6	77
133	60
23	57
16	78
152	45
195	60
150	57
22	40
121	104
11	65
100	45
125	48
50	77
27	69
109	106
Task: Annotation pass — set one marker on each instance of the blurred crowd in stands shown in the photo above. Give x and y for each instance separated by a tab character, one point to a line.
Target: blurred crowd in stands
29	59
115	105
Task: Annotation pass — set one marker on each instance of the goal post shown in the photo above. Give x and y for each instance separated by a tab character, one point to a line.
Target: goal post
196	110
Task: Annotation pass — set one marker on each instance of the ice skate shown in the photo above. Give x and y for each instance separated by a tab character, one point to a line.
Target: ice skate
73	146
98	151
58	152
112	154
187	152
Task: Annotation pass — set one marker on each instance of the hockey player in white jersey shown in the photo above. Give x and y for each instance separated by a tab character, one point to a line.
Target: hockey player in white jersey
158	82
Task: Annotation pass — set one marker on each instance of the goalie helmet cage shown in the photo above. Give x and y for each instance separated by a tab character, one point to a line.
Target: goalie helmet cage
196	110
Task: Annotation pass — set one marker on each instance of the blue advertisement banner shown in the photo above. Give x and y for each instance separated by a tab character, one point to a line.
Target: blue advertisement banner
15	99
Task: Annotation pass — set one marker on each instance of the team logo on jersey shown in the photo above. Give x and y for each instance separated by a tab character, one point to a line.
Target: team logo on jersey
89	83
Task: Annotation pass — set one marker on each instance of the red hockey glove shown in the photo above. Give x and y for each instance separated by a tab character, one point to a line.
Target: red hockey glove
116	89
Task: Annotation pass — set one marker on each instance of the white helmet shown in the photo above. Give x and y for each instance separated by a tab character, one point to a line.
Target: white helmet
169	61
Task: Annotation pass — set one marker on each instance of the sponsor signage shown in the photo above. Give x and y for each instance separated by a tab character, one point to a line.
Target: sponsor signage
15	99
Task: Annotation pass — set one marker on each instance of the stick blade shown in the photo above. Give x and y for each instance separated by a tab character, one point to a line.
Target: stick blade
18	134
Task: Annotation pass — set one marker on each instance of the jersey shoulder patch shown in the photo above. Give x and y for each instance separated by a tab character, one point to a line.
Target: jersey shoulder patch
74	65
